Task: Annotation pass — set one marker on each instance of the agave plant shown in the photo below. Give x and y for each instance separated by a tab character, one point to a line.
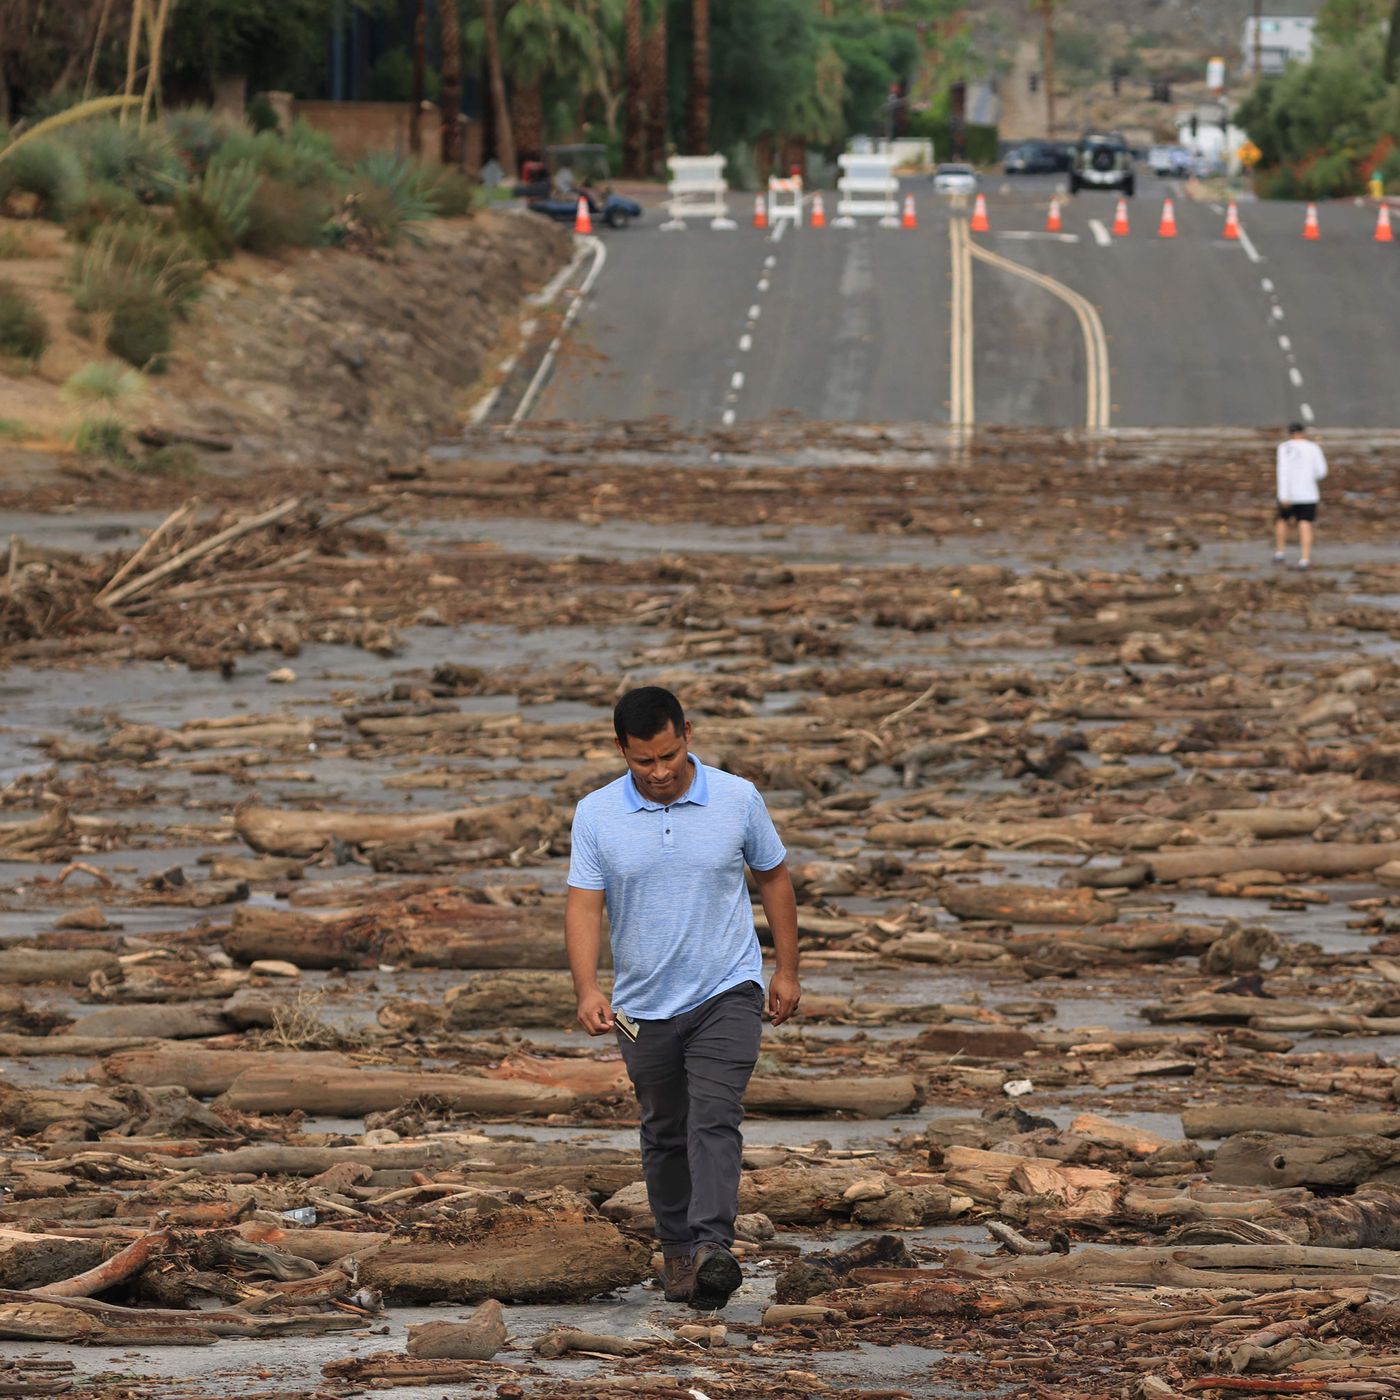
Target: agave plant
227	191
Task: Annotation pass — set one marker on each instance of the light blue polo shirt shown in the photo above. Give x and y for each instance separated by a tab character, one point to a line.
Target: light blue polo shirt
673	877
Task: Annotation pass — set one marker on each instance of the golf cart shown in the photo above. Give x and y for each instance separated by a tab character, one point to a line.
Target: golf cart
552	186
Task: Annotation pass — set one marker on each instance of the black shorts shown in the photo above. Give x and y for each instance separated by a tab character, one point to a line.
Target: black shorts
1299	510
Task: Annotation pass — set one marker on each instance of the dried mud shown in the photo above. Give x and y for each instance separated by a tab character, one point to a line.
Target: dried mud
1092	813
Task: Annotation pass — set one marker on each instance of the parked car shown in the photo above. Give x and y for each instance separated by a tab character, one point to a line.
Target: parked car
552	187
1032	158
955	179
1169	161
1103	161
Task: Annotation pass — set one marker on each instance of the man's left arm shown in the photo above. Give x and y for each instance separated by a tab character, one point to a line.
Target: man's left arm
780	905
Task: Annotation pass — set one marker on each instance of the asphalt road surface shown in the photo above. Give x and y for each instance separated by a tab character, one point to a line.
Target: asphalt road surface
871	324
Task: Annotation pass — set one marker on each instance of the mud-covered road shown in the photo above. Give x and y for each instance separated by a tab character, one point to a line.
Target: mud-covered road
1092	811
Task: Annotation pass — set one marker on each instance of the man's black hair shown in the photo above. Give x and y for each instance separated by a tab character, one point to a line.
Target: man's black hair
643	713
1295	428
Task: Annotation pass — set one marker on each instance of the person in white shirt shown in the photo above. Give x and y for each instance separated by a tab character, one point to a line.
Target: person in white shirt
1301	466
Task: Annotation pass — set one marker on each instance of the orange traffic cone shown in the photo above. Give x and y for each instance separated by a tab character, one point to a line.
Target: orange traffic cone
1232	221
1311	230
818	211
1167	228
910	219
1383	233
980	222
760	212
583	220
1120	220
1054	223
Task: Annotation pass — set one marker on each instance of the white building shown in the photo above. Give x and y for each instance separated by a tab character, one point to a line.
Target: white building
1285	34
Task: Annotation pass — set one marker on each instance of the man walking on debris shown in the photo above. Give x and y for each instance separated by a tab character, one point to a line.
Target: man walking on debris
664	849
1301	466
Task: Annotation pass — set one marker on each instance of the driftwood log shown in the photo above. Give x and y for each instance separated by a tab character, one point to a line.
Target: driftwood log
352	1093
30	966
206	1073
1223	1120
1027	904
442	931
866	1098
24	1317
1291	858
1277	1159
552	1250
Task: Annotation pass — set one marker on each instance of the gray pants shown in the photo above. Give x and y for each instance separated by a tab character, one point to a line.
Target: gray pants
690	1074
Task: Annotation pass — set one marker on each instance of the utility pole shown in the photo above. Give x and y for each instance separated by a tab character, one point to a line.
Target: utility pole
1258	39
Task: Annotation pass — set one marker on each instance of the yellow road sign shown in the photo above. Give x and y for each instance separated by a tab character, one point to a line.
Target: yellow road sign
1249	154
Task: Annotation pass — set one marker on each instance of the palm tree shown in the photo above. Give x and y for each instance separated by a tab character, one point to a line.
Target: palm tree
420	46
634	143
559	40
656	102
451	99
698	124
505	135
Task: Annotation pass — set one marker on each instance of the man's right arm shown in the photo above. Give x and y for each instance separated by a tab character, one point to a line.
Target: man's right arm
583	940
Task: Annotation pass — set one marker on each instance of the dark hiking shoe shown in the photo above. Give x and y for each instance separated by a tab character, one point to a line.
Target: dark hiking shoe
717	1275
677	1279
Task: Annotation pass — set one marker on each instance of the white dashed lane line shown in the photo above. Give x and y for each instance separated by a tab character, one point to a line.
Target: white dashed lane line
730	411
1285	343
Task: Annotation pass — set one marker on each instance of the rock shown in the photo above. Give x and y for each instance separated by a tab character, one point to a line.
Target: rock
1239	950
274	967
479	1338
1325	710
283	675
89	918
823	1271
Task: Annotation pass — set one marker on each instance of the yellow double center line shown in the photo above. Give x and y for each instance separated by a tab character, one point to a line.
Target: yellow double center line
1099	405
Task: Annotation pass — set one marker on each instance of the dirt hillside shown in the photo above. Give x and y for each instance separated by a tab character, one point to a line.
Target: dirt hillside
323	358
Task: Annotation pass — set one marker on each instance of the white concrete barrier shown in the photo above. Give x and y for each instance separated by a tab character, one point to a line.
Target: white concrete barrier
868	190
697	190
785	199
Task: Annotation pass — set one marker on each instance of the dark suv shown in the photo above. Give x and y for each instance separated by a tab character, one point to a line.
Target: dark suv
1103	161
1032	158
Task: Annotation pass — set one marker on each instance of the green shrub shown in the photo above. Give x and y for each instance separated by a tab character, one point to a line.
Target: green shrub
103	382
451	192
302	157
387	195
197	135
261	114
178	459
139	328
124	255
103	437
14	246
47	169
285	216
214	214
13	429
23	330
102	205
141	160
